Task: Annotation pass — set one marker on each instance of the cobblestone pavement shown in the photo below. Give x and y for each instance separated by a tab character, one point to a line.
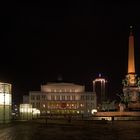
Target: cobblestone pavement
83	130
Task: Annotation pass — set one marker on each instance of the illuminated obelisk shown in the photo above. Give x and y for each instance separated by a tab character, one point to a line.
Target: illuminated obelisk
131	59
131	88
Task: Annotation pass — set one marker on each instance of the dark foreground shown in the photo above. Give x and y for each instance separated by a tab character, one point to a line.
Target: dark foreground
75	130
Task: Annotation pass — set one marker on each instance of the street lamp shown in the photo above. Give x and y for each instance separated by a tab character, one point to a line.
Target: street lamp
93	111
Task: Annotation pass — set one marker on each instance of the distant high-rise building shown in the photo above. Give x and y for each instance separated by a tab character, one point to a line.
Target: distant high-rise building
99	86
131	83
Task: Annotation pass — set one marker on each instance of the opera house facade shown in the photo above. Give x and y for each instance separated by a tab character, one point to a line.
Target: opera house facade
63	98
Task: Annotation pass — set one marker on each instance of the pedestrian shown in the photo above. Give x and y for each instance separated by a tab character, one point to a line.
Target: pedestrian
112	118
46	121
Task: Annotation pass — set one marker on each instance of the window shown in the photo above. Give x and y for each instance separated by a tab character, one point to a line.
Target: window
92	104
81	105
57	97
82	97
52	97
33	104
44	105
32	97
43	97
68	97
38	97
63	97
73	97
87	97
92	97
38	104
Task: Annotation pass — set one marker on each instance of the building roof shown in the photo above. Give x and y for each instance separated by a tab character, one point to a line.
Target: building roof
62	84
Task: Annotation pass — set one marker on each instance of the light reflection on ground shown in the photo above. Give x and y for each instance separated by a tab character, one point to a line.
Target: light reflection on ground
76	130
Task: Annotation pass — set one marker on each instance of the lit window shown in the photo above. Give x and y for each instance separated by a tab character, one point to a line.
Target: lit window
63	97
73	97
68	97
52	97
57	97
43	97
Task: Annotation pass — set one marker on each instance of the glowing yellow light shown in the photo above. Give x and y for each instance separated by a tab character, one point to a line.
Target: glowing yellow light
5	99
5	102
93	111
35	111
25	111
48	112
100	80
25	108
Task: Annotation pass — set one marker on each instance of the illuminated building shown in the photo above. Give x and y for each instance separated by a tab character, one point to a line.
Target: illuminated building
99	86
25	111
5	102
63	98
131	83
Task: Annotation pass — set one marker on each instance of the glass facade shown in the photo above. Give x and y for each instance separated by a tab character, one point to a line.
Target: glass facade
5	102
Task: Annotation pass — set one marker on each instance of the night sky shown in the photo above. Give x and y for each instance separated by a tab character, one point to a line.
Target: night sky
77	40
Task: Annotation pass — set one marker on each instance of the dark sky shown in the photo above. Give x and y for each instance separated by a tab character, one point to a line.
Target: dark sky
78	40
